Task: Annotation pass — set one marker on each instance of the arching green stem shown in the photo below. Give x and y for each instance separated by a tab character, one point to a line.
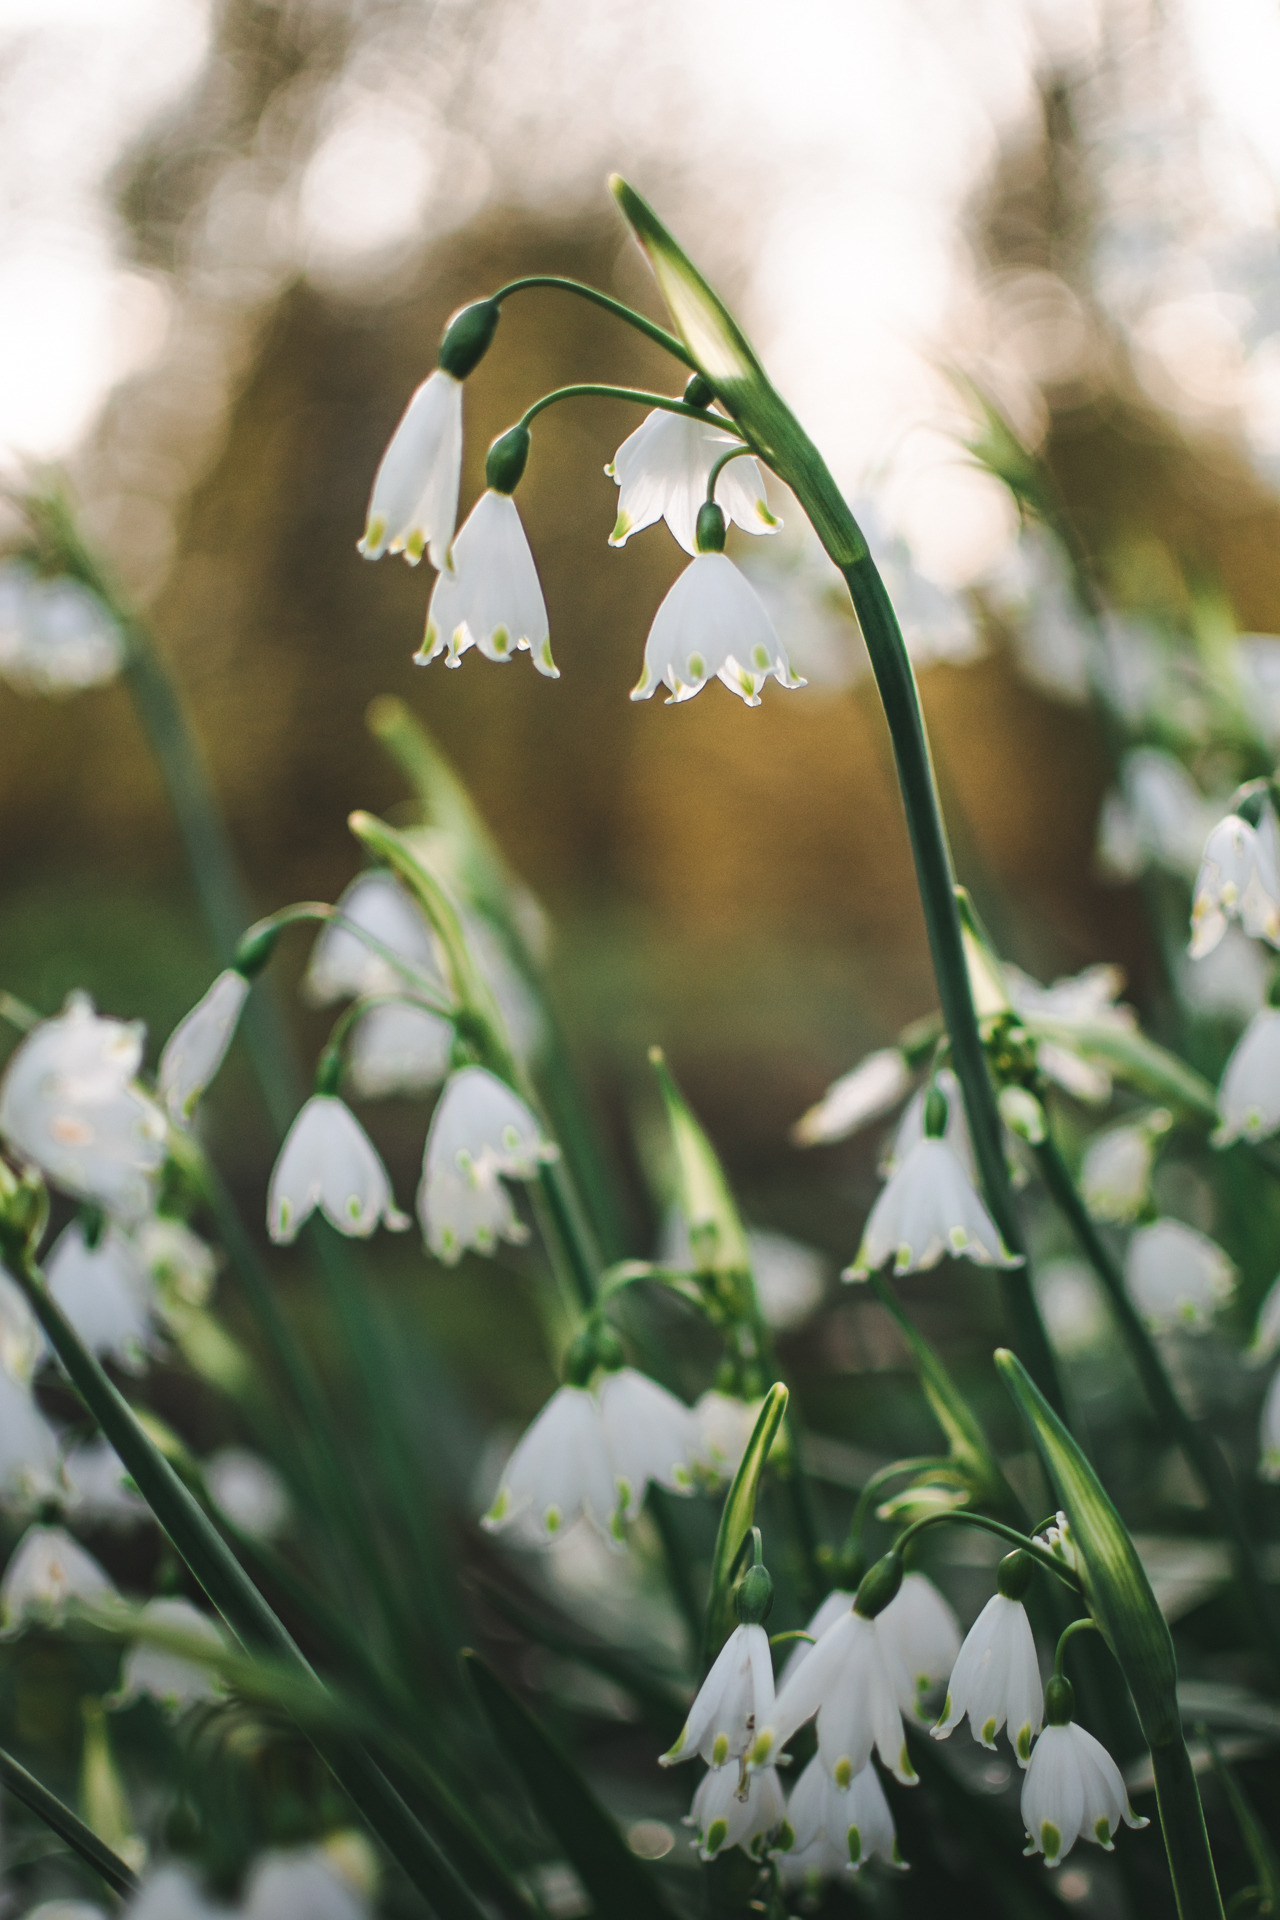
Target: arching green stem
734	453
618	308
636	396
986	1524
1085	1625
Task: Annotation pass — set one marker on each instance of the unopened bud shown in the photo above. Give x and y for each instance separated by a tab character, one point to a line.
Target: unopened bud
507	459
1022	1114
468	337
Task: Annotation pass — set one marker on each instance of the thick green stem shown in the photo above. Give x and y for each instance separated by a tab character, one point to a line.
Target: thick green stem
68	1826
1198	1448
1186	1842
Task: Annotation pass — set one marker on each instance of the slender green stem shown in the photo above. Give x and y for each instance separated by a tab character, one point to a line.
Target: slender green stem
734	453
619	309
1086	1625
68	1826
571	1242
1186	1840
922	1464
1197	1447
664	402
1039	1554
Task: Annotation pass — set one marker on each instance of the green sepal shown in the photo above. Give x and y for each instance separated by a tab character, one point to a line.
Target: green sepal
709	529
1059	1700
716	1233
506	460
255	949
753	1597
879	1585
737	1519
468	337
1115	1582
1013	1575
619	1884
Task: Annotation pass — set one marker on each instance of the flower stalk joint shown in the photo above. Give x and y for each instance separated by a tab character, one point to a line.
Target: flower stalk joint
1059	1701
753	1596
709	534
1013	1575
507	459
256	949
879	1586
468	337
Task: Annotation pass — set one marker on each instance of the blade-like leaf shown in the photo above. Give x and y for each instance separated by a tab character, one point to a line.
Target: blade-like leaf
737	1519
715	1226
968	1443
68	1826
621	1886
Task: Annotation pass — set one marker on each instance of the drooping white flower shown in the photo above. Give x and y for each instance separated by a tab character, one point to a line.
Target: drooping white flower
68	1103
910	1128
302	1883
1230	983
929	1209
29	1462
1269	1433
198	1044
1158	818
248	1490
725	1424
181	1265
650	1436
99	1489
1073	1306
733	1703
712	623
845	1679
560	1469
481	1133
55	635
996	1679
171	1678
1176	1276
171	1893
491	597
920	1636
854	1820
105	1293
829	1611
736	1809
343	967
1073	1791
1239	879
48	1570
414	503
662	470
328	1161
1115	1174
1249	1092
873	1088
398	1048
1059	1017
21	1340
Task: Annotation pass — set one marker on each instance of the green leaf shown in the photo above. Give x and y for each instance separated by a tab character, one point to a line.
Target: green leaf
716	1232
737	1520
1115	1581
967	1441
621	1886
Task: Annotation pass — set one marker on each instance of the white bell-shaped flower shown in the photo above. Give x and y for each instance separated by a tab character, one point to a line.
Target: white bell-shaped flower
1158	818
910	1129
736	1809
872	1089
1115	1173
105	1293
481	1133
713	623
344	967
1073	1791
733	1703
1239	879
22	1343
829	1611
173	1679
69	1105
99	1490
846	1680
48	1570
249	1491
30	1469
1269	1433
56	636
1249	1092
1176	1276
662	470
303	1883
398	1048
559	1470
996	1679
197	1046
929	1209
650	1435
1060	1017
171	1893
920	1636
491	598
414	504
328	1161
854	1820
724	1424
180	1264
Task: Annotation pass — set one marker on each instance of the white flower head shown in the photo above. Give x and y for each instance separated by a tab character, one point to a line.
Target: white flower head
736	1809
30	1469
1159	817
873	1088
713	623
303	1883
1239	879
910	1129
106	1294
249	1491
650	1436
198	1044
414	504
21	1341
1177	1277
854	1820
1073	1791
180	1264
170	1893
481	1133
69	1105
1249	1093
929	1209
846	1680
491	598
733	1704
996	1679
724	1424
662	470
99	1490
328	1161
398	1048
836	1604
56	636
559	1470
171	1678
1269	1433
46	1572
1115	1174
344	967
920	1636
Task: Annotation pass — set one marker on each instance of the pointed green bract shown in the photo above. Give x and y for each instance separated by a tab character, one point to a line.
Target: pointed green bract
737	1519
716	1232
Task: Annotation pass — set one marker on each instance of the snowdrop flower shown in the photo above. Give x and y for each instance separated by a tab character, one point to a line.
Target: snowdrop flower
1073	1789
789	1277
1269	1433
413	507
1073	1306
481	1132
328	1161
854	1820
99	1489
105	1294
1176	1276
1249	1093
171	1678
69	1105
46	1572
920	1636
21	1340
560	1469
1115	1174
55	635
170	1893
733	1703
662	470
910	1129
398	1048
724	1425
736	1809
846	1680
179	1262
873	1088
249	1491
301	1884
1059	1017
996	1677
491	598
1230	983
833	1608
343	967
1239	879
1159	818
197	1046
29	1463
929	1209
649	1435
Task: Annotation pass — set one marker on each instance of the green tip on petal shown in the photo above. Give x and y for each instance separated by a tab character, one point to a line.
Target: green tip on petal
762	1749
1102	1833
717	1834
672	1754
905	1769
854	1839
989	1733
1022	1745
765	517
719	1749
842	1773
786	1836
500	1508
1050	1842
621	527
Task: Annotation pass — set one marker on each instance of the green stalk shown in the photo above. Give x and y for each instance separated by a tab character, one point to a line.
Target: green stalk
68	1826
1186	1839
1197	1447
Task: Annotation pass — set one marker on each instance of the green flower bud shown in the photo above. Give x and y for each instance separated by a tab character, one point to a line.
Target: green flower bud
709	529
594	1345
468	337
1013	1575
506	461
1059	1701
255	950
1022	1114
879	1586
753	1597
698	393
